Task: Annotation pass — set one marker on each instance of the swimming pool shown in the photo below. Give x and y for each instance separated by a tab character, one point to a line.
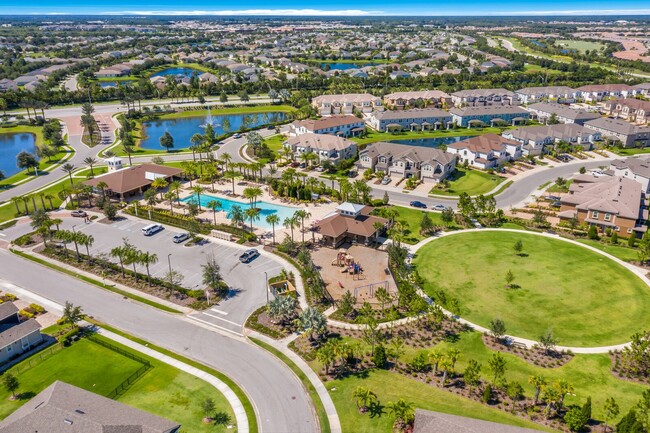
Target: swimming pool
266	208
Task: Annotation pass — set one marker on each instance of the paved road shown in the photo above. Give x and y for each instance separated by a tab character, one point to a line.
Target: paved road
280	400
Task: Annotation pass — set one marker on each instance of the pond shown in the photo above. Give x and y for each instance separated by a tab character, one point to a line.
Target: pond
107	84
431	142
343	66
266	209
182	129
11	144
186	72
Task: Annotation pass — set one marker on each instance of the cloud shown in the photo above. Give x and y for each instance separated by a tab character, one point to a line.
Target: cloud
253	12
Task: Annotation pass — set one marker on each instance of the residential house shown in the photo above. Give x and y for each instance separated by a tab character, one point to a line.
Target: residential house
534	139
406	161
327	147
114	71
422	98
491	115
642	89
134	180
485	151
630	109
637	169
544	111
345	104
16	336
427	421
607	202
561	94
619	130
7	84
483	97
598	92
64	408
338	124
413	119
351	222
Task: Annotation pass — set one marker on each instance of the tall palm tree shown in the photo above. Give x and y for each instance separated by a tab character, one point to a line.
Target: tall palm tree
170	196
16	200
364	398
146	258
214	205
87	241
49	198
253	214
68	168
302	214
198	190
232	175
226	157
128	149
119	253
176	186
90	162
159	184
290	223
273	219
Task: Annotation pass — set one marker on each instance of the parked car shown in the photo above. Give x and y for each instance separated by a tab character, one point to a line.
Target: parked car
79	213
352	173
552	197
385	180
439	207
270	127
238	135
476	223
556	204
294	164
303	165
152	229
418	204
180	237
320	169
249	255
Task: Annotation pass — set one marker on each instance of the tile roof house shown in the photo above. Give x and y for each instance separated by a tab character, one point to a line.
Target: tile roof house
606	202
425	98
436	422
483	97
412	119
351	222
133	180
598	92
543	111
630	109
561	94
64	408
467	117
637	169
339	124
628	134
535	138
345	104
16	337
328	147
405	161
485	151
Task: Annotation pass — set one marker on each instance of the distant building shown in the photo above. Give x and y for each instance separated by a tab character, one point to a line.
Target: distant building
131	181
619	130
64	408
345	104
630	109
535	138
483	97
561	94
599	92
16	336
413	119
485	151
421	98
544	111
467	117
405	161
325	146
351	223
343	124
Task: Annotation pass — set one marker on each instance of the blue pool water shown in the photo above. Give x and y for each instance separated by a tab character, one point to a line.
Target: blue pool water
266	209
430	142
183	129
10	146
186	72
344	66
107	84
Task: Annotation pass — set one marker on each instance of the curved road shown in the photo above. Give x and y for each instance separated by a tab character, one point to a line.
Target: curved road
278	396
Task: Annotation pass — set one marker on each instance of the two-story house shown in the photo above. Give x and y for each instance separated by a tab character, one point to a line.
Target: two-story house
534	139
345	104
598	92
561	94
339	124
413	119
327	147
619	130
485	151
405	161
630	109
545	111
637	169
483	97
492	115
16	336
420	98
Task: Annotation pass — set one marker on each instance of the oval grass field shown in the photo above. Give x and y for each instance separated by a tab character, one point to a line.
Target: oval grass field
584	297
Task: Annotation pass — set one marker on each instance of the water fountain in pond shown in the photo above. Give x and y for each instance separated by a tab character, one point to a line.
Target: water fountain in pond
209	120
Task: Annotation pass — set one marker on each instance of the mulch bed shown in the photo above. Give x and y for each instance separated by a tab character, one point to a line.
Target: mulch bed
535	356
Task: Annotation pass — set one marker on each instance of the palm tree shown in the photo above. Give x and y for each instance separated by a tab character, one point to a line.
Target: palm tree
87	241
128	149
226	159
16	200
253	214
252	194
214	205
120	254
231	174
402	410
68	168
364	398
170	196
290	223
198	190
538	381
273	219
159	184
146	258
196	140
132	257
90	162
302	214
49	198
236	215
176	187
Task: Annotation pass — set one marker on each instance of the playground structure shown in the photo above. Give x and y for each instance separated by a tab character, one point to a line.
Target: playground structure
347	262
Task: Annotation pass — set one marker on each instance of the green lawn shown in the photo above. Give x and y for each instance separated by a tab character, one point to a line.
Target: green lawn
631	151
8	210
472	182
587	299
374	136
620	251
275	142
163	390
231	110
411	219
579	45
391	387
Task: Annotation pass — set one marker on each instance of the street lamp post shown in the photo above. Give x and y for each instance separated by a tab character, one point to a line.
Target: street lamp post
73	230
169	261
266	287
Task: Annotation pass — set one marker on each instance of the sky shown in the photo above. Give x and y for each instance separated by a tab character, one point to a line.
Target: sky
327	8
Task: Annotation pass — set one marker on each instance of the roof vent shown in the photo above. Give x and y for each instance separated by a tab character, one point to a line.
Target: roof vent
67	421
80	412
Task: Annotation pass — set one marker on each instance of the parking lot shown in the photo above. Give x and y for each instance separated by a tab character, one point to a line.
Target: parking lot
246	281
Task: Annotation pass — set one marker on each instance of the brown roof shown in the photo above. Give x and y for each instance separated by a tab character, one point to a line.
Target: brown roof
64	408
616	195
328	122
484	143
133	178
435	422
337	225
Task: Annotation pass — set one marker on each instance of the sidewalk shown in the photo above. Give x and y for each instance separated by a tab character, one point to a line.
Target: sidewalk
281	345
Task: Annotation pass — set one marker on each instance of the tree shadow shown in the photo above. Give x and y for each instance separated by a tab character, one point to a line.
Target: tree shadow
25	395
375	409
522	254
221	418
451	337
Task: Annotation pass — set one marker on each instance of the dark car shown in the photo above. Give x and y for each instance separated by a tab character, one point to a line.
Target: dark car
418	204
249	255
79	213
181	237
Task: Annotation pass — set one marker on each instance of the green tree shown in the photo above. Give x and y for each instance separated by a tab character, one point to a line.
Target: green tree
72	314
208	407
364	398
518	247
11	384
538	381
472	374
510	278
379	358
166	141
498	329
548	342
497	364
610	410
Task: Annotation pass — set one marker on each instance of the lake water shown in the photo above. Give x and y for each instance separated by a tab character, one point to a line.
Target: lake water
186	72
10	146
182	129
431	142
343	66
266	209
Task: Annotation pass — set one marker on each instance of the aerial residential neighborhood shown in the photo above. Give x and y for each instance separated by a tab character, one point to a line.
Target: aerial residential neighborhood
324	218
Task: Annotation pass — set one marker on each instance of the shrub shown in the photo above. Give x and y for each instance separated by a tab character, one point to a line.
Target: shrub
487	394
379	357
26	314
37	308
